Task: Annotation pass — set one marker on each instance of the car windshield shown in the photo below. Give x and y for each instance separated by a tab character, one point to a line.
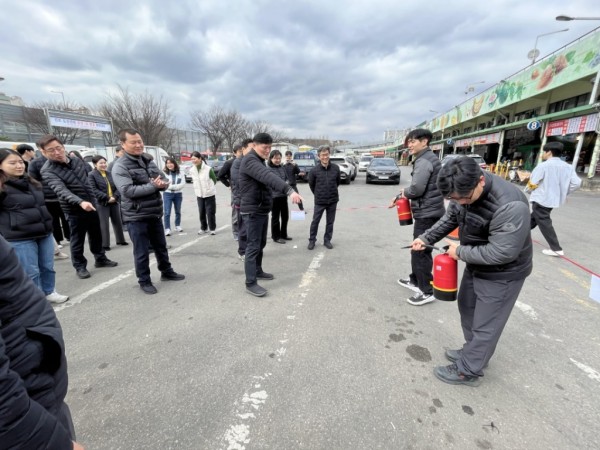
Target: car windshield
384	162
305	162
366	158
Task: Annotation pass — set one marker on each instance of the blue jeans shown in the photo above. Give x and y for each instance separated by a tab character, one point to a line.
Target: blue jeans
172	199
37	259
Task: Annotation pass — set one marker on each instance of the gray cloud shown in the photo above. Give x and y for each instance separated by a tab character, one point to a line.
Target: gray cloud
346	70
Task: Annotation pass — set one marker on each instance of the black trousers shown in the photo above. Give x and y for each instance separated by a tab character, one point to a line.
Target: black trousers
143	234
207	209
280	215
242	231
484	306
60	224
257	226
421	262
82	223
314	225
540	216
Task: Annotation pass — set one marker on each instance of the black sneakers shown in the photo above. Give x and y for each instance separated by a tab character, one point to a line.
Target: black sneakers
264	276
420	299
106	263
256	290
405	282
453	355
171	276
148	288
328	245
311	245
83	273
451	375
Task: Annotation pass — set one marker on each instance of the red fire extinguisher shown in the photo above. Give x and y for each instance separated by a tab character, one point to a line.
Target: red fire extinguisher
404	212
445	277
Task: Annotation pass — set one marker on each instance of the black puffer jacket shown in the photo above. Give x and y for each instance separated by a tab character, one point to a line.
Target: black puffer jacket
35	170
33	367
99	187
23	212
281	173
426	201
324	182
140	199
69	182
256	183
495	232
234	178
291	170
225	172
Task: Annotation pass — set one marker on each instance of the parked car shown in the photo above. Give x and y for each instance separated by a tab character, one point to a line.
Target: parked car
305	166
354	164
476	157
216	165
347	170
184	168
364	162
383	170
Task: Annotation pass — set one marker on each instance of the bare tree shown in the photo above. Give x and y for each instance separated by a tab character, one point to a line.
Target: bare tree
210	123
234	127
262	126
146	113
36	121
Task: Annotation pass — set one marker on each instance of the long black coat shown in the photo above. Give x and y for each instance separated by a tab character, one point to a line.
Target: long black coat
33	367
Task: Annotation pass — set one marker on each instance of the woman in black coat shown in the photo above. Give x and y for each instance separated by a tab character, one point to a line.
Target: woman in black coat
106	202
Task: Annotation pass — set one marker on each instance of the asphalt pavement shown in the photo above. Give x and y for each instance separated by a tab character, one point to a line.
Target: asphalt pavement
333	357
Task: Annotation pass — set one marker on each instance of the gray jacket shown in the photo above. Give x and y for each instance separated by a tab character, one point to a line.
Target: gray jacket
495	232
426	201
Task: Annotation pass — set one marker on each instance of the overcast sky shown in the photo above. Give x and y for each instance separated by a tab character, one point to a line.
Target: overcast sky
328	68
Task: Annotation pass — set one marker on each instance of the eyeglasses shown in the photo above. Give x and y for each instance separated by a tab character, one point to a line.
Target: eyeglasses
58	149
449	197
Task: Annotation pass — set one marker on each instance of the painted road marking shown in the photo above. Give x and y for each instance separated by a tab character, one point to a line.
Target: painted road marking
593	374
527	310
237	435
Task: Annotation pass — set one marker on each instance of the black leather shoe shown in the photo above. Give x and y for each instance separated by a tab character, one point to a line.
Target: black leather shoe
83	273
106	249
288	238
328	245
122	243
106	263
171	276
311	246
256	290
148	288
264	276
279	241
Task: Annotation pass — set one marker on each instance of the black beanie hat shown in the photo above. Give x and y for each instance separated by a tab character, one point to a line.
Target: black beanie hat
262	138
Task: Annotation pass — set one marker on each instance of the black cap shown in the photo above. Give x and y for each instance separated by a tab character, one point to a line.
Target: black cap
262	138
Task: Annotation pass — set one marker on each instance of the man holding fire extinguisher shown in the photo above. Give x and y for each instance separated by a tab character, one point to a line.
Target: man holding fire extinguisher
495	243
427	206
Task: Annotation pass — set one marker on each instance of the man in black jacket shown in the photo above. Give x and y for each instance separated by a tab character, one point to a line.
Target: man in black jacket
140	182
68	178
225	178
33	367
256	182
236	196
323	181
492	216
427	205
292	169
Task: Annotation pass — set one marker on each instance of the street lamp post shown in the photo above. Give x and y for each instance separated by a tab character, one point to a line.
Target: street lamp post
63	97
533	54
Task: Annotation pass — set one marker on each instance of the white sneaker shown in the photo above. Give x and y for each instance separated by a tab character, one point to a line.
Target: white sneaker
549	252
57	298
212	233
202	231
179	229
60	246
405	282
420	299
61	255
167	232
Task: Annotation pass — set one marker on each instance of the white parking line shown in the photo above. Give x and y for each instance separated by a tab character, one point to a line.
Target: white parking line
100	287
593	374
238	434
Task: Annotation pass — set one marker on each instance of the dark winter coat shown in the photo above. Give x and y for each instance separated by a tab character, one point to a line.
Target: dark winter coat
495	231
140	199
281	173
256	183
69	182
426	201
324	182
35	170
234	179
291	170
23	212
225	172
99	187
33	367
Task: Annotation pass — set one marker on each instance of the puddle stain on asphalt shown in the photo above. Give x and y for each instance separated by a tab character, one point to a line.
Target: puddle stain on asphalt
419	353
397	337
468	410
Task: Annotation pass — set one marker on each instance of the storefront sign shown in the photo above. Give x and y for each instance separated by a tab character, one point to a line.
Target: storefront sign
534	125
574	125
492	138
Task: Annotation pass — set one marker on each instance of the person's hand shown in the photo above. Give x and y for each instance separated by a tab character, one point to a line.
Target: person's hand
160	184
418	245
296	198
452	246
87	206
112	200
77	446
395	199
